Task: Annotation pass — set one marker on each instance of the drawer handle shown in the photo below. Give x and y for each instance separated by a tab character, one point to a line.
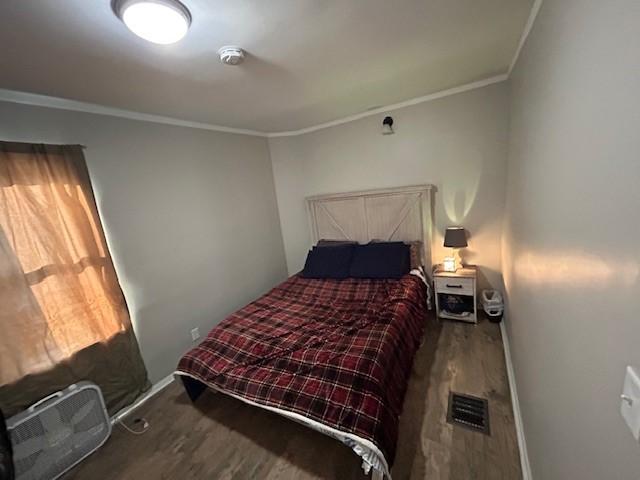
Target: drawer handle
454	286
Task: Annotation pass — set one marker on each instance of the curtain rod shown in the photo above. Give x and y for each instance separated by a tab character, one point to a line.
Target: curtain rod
27	144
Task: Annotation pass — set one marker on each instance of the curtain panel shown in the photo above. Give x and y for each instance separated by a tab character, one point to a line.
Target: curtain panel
63	316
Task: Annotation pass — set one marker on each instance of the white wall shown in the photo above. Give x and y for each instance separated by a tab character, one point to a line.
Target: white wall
458	143
190	217
572	236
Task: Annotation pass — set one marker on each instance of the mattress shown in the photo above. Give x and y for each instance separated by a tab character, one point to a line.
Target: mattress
335	355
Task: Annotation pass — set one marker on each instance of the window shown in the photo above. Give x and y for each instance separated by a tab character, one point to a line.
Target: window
58	288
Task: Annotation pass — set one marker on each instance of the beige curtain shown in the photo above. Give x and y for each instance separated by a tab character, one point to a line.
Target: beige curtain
63	317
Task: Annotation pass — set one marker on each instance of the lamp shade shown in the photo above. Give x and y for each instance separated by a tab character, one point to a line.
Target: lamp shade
455	237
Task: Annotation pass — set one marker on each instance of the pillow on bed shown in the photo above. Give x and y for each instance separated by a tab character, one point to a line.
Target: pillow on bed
328	262
335	243
415	252
380	260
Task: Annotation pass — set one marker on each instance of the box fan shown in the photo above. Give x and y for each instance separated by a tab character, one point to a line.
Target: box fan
59	431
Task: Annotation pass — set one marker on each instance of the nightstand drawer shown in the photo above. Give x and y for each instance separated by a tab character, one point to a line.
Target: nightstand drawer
461	286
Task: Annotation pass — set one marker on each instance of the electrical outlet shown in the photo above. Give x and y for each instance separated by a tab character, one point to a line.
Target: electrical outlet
195	334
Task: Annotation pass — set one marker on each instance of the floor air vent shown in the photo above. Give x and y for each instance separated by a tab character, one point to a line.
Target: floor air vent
469	412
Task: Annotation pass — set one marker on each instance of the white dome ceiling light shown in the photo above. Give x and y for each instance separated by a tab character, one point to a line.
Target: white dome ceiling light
158	21
231	55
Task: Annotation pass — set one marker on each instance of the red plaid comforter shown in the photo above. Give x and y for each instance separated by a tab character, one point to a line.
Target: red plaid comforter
336	351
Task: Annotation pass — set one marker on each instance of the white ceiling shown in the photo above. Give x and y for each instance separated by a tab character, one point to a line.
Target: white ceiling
309	61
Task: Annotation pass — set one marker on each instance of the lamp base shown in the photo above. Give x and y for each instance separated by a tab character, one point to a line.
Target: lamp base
449	264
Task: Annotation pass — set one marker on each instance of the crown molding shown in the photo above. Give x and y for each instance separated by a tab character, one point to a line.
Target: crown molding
25	98
535	8
14	96
395	106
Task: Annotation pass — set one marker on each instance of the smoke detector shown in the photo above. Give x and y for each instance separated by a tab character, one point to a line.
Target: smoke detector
231	55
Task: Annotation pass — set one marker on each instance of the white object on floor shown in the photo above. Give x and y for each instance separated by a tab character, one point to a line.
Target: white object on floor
59	431
140	431
630	402
492	298
492	303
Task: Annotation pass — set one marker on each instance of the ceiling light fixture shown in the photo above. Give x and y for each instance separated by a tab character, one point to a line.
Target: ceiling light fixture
158	21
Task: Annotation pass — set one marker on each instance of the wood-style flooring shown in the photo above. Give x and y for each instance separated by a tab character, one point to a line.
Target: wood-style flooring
222	438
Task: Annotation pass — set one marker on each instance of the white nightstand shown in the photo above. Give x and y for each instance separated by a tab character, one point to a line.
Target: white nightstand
460	284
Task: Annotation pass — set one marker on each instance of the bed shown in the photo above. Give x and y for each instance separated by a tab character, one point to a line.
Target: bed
335	355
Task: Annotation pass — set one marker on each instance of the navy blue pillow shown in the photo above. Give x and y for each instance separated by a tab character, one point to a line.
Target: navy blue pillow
380	260
328	262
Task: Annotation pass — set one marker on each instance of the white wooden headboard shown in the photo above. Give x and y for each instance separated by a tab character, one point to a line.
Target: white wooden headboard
400	214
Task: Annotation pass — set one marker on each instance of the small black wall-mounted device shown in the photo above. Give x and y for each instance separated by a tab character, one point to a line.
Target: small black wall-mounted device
387	126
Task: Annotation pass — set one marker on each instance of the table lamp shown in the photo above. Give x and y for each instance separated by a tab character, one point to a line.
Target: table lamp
454	237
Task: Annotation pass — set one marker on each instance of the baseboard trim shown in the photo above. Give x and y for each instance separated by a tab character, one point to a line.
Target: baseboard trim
34	99
517	414
153	391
